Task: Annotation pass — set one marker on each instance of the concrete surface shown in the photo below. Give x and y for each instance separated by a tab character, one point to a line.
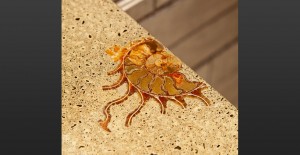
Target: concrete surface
89	27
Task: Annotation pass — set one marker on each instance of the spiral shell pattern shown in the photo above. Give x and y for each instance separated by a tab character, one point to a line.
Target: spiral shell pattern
152	72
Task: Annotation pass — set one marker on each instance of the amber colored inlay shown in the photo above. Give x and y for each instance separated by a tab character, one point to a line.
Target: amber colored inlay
156	86
135	76
127	62
170	88
185	85
144	84
130	69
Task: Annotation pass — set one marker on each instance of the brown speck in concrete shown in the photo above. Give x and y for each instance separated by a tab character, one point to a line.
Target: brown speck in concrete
73	125
90	36
81	147
79	105
119	34
77	18
178	148
82	22
124	30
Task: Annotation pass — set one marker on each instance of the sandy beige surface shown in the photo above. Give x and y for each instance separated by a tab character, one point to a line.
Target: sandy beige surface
88	28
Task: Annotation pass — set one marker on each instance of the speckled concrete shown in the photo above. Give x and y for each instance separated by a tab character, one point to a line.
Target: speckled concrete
88	28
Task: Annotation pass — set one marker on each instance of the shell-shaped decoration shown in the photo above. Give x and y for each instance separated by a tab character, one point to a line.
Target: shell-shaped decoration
152	72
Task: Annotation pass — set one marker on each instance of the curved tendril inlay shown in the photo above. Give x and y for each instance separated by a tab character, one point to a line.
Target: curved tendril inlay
152	72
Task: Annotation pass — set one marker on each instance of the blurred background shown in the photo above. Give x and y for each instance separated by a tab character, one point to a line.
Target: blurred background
202	33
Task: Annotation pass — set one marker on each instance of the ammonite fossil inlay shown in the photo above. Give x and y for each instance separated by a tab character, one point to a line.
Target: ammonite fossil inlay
151	71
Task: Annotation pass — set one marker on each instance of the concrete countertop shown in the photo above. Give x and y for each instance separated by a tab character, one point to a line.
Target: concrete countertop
89	27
